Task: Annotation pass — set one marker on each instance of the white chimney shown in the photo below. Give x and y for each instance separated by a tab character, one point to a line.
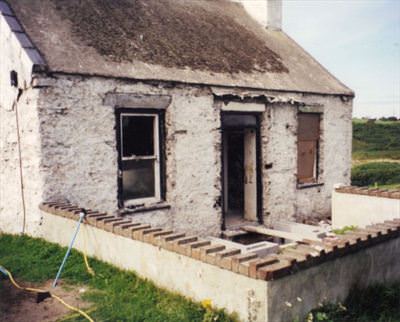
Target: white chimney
267	12
274	14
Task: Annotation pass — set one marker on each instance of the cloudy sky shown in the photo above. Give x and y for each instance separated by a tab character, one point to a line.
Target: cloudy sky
358	41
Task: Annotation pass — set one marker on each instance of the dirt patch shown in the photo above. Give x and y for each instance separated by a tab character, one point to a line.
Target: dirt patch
172	33
21	306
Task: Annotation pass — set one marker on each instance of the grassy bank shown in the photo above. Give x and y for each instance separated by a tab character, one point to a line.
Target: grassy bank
376	154
377	140
376	173
379	303
116	295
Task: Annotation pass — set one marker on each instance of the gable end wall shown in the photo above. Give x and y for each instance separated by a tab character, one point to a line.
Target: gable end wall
19	146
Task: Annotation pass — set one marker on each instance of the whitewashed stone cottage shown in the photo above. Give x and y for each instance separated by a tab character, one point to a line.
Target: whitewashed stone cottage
194	115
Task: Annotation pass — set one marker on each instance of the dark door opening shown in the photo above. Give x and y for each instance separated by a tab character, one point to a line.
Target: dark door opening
235	173
240	179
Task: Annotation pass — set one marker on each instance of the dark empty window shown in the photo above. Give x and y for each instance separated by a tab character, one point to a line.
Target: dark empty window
137	135
308	147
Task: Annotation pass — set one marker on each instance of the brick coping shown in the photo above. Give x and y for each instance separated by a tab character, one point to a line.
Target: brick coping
288	260
376	192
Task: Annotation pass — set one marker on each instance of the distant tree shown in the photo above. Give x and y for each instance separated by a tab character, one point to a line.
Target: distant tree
389	119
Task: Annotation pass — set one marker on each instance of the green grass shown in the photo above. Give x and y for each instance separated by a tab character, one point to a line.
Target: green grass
379	303
116	295
379	140
376	154
344	230
394	186
380	173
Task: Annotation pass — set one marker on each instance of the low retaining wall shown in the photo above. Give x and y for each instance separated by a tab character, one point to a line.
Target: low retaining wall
354	206
279	287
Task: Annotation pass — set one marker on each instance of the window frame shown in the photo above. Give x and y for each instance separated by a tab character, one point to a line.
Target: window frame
315	180
157	157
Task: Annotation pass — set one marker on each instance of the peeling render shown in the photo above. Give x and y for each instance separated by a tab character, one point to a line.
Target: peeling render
18	103
78	156
282	198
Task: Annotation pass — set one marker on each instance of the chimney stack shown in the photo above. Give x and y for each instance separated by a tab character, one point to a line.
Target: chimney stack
274	14
267	12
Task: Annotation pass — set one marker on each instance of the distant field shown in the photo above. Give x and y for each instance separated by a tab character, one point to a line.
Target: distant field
378	140
376	153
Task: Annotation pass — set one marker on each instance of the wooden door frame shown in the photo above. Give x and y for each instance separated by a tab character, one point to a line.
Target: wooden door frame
257	128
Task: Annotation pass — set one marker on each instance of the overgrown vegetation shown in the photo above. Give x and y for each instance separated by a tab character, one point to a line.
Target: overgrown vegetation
376	140
380	173
116	295
376	153
379	303
344	230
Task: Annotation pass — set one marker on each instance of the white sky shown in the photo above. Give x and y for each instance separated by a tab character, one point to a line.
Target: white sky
358	41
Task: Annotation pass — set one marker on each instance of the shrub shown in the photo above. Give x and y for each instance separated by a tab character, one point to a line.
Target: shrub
377	303
375	172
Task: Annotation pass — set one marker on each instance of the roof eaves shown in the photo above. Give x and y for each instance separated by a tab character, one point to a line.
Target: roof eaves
38	62
349	91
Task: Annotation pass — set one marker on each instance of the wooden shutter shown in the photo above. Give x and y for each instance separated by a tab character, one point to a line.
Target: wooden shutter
307	148
307	153
308	129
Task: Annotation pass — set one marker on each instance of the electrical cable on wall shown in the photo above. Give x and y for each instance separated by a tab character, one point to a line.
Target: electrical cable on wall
20	163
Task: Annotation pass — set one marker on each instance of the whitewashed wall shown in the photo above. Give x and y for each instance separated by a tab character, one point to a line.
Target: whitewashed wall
349	209
22	99
282	198
80	155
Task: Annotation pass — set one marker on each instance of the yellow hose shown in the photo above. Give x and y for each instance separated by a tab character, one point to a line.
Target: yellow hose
36	290
89	269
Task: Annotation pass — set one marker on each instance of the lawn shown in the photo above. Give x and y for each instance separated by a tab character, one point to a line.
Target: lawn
376	154
113	294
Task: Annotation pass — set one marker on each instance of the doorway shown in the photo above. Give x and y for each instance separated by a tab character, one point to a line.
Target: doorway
241	180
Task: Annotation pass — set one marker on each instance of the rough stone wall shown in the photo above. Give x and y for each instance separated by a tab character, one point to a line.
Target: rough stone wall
79	157
197	142
279	155
21	100
282	198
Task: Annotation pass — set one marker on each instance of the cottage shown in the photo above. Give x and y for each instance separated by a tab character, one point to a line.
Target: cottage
192	115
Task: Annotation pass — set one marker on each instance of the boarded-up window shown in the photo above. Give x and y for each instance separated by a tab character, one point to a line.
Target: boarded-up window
308	147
